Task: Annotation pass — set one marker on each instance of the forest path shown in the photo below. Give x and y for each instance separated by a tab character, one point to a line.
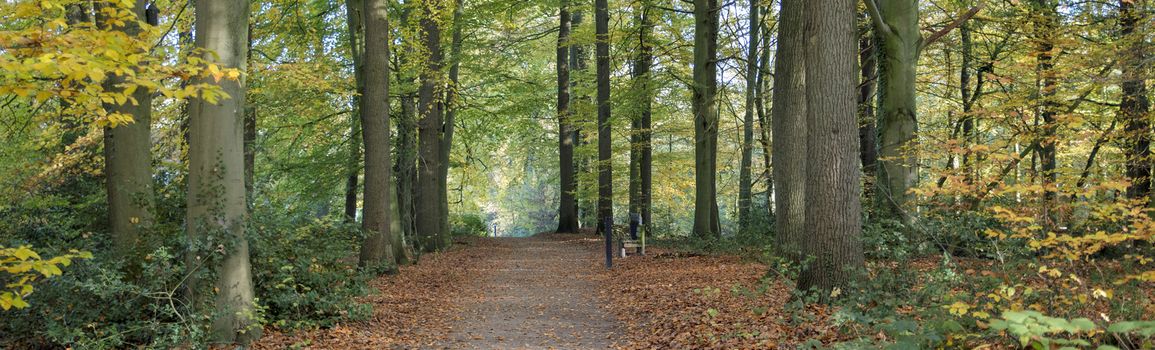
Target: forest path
540	295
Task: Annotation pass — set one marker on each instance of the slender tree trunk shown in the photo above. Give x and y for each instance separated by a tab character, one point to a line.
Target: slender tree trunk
763	123
867	131
377	247
968	120
745	176
899	46
605	152
354	20
1135	106
406	166
833	210
641	152
429	215
128	162
567	208
216	197
789	129
1045	14
450	107
587	212
706	223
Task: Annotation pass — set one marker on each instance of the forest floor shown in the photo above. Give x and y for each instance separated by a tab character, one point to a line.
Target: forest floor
552	291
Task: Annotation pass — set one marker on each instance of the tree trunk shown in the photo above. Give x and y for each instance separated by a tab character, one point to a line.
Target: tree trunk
128	162
788	113
377	247
745	176
406	166
605	152
898	58
1045	14
763	124
354	20
567	208
587	212
216	197
706	223
641	152
833	210
1134	108
867	131
450	107
429	216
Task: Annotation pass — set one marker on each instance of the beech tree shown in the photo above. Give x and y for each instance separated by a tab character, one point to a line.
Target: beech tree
605	167
380	206
216	197
789	128
567	207
745	177
706	222
431	221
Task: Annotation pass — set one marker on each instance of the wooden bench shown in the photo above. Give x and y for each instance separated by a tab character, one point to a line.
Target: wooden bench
636	245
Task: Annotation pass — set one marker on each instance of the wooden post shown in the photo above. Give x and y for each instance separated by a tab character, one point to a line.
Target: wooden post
609	231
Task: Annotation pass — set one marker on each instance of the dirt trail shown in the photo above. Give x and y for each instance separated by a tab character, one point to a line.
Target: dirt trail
539	296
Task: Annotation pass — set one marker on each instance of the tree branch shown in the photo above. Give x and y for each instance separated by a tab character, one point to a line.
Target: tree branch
957	22
876	16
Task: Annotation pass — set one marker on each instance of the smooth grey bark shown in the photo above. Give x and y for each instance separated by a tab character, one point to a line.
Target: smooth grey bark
899	43
706	221
832	247
430	218
788	113
605	152
216	197
127	160
377	246
1135	107
567	207
745	173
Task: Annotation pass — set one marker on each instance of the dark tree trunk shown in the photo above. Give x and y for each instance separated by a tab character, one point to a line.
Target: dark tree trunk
1046	17
833	210
641	152
763	124
450	107
745	176
567	208
579	99
354	19
1134	108
867	131
605	152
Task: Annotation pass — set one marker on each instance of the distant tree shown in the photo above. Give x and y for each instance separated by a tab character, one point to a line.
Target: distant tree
745	175
641	135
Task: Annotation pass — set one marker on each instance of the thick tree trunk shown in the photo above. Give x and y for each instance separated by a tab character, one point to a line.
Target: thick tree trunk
216	197
745	176
706	222
430	218
641	152
377	247
605	151
1134	108
833	209
354	20
128	162
898	58
788	113
567	208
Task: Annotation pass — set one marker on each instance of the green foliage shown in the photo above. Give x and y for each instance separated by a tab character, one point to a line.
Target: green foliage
305	272
467	225
24	266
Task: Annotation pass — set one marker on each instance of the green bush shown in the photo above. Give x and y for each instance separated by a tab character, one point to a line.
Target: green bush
467	225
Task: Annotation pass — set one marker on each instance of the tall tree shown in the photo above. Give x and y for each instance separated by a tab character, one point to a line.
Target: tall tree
833	210
641	152
1045	16
430	218
128	164
216	197
605	150
706	222
567	207
867	130
354	19
377	247
579	99
1135	107
760	107
745	176
788	113
450	107
407	129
